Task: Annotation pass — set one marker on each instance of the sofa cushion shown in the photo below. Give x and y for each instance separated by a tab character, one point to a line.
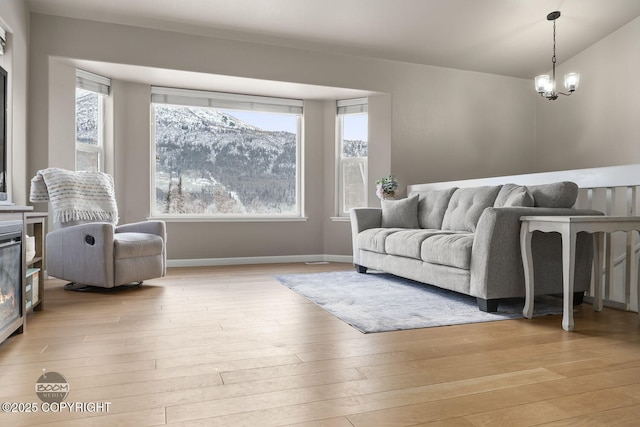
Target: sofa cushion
466	206
453	250
401	213
373	239
408	243
513	195
432	206
556	195
132	245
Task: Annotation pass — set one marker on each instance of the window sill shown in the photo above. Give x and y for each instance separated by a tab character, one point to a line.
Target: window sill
195	218
340	219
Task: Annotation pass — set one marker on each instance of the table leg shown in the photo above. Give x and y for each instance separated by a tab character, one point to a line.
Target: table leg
527	264
568	263
638	289
598	254
638	285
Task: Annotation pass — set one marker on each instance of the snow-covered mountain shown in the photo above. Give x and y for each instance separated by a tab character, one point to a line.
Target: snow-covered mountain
225	164
87	118
193	118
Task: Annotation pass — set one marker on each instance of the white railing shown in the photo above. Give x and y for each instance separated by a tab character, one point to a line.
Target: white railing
612	190
621	261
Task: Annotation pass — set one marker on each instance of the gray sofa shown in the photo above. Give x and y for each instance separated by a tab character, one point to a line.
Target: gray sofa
468	240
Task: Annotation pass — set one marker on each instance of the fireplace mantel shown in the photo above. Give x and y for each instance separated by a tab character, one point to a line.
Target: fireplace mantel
15	208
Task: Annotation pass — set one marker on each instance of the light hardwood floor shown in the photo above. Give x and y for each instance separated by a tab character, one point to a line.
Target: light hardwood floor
230	346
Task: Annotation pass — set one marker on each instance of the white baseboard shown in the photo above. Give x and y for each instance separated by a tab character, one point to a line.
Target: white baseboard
207	262
607	303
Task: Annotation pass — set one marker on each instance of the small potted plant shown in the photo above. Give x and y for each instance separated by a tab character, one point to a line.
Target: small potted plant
386	187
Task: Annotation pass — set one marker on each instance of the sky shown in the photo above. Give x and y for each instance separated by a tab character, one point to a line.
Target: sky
355	127
267	121
355	124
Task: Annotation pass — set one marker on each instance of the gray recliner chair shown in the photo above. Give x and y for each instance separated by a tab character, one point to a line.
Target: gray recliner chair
86	246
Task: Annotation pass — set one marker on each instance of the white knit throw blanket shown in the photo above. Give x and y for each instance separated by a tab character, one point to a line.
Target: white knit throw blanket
76	196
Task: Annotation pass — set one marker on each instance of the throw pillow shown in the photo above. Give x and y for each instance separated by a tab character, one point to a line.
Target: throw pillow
556	195
401	213
513	195
466	206
432	206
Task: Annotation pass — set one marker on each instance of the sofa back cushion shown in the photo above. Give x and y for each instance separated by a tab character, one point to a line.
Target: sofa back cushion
431	207
513	195
466	206
401	213
557	195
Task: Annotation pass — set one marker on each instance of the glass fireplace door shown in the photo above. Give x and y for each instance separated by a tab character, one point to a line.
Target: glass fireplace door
10	273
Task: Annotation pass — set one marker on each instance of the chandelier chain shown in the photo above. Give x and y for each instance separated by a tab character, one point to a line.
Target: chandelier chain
553	60
554	43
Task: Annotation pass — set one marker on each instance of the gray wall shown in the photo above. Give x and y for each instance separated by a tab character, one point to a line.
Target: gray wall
438	128
14	18
445	124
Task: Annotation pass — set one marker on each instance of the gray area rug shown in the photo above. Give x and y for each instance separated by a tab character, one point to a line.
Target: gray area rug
380	302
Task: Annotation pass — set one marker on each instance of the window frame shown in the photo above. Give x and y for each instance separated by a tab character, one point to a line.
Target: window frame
344	108
227	101
99	85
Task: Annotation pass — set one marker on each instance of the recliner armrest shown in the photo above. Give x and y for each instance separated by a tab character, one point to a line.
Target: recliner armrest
151	227
81	230
71	249
156	227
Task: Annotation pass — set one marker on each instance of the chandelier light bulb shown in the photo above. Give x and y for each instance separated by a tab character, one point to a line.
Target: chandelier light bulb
542	82
571	81
551	86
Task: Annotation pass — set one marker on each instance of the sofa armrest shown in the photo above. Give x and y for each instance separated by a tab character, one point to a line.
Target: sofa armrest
71	249
496	260
363	219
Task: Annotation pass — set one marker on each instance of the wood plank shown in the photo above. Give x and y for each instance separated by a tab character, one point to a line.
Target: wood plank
556	409
337	401
232	346
626	416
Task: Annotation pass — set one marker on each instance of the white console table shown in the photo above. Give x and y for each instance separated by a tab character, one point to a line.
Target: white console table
569	227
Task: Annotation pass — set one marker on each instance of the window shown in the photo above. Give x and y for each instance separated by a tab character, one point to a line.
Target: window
225	155
90	92
352	154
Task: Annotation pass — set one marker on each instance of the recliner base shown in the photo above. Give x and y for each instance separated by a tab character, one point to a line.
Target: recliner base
79	287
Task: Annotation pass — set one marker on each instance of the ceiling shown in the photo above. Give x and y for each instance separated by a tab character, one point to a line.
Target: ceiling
505	37
220	83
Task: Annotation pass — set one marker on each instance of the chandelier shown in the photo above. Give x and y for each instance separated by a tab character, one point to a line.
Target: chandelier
546	86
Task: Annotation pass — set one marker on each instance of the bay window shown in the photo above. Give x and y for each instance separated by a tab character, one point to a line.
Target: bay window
352	154
91	90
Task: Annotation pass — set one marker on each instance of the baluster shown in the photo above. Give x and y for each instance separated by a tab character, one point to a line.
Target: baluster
608	254
630	248
589	205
